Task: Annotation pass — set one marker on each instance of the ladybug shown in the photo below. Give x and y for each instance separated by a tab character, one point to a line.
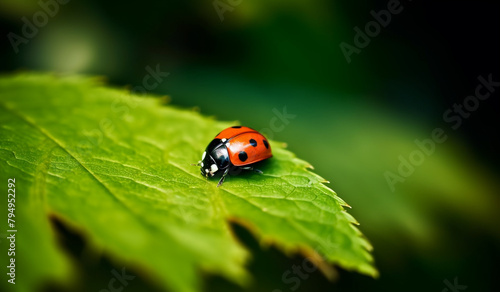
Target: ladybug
234	148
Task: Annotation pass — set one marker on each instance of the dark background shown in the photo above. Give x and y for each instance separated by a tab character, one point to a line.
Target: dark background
352	121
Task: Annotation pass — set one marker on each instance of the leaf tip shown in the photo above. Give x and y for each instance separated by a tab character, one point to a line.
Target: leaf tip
350	218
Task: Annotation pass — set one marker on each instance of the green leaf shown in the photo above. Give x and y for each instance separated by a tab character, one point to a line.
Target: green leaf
117	168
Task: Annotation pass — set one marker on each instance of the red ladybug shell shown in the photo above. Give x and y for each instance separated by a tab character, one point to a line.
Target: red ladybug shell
245	145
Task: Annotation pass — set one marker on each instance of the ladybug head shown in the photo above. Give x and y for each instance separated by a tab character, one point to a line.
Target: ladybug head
215	159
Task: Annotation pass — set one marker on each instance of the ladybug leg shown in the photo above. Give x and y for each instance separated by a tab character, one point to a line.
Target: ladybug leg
251	168
258	171
196	164
223	177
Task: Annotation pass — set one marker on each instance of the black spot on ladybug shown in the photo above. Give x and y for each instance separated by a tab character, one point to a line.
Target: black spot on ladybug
243	156
236	127
253	142
266	144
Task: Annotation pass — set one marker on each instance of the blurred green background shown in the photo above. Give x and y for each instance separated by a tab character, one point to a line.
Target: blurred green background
352	120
